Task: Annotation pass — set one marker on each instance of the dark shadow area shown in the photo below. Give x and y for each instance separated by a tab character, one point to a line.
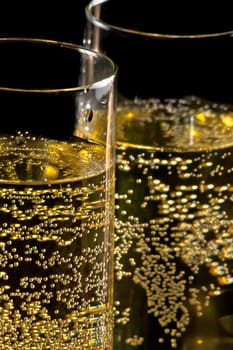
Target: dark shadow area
56	20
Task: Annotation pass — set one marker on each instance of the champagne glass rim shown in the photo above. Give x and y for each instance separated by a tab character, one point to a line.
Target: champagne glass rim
108	26
65	45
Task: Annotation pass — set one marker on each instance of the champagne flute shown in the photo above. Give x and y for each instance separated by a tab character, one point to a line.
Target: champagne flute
56	195
173	229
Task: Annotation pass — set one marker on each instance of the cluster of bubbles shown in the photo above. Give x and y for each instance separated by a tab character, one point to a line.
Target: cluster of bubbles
174	229
54	291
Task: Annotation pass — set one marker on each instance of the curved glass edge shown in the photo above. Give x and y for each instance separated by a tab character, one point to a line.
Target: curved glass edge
81	49
92	7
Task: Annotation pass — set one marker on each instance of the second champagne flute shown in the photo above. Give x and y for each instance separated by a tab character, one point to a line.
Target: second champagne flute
173	241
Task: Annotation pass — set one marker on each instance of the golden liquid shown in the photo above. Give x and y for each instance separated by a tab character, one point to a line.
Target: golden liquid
174	226
55	263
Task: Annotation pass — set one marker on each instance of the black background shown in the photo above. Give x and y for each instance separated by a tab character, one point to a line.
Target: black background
54	20
57	20
65	21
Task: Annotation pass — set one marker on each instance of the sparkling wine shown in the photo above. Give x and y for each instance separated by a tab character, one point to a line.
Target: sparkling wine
55	263
174	228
